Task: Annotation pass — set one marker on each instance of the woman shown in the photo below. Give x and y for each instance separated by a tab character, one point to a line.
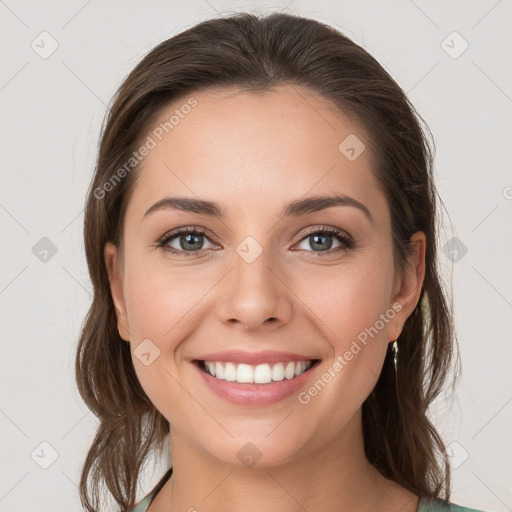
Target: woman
261	237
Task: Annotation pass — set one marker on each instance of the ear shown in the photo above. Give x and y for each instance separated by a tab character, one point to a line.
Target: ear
407	287
115	277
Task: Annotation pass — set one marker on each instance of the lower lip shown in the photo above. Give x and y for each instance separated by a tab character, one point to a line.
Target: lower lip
255	394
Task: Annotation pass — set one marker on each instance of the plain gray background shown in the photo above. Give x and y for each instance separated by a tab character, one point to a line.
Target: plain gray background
52	109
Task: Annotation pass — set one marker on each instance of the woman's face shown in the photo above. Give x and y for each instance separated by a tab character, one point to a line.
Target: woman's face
258	282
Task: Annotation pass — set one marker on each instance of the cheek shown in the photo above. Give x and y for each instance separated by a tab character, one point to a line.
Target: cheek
159	299
349	300
351	306
158	302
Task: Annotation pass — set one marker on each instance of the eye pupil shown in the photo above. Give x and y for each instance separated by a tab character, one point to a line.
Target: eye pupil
316	239
185	239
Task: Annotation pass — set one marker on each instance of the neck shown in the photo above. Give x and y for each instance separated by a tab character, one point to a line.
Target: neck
336	477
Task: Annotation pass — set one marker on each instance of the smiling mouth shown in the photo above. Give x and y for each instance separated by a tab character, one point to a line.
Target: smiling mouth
256	374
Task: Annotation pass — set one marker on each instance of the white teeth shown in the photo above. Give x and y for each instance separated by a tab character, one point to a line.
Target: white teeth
260	374
278	372
219	371
289	372
230	372
244	373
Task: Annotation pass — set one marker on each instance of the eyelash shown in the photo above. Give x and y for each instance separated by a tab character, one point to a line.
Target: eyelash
347	242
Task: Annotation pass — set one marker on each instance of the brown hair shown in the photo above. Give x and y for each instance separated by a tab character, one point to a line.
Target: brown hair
258	53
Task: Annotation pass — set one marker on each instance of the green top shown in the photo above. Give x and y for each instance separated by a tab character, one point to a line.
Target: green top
425	504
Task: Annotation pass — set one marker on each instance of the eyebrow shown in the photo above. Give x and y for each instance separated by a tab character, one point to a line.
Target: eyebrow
292	209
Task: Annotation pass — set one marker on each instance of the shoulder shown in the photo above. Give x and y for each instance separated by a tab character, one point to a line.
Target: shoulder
143	504
438	505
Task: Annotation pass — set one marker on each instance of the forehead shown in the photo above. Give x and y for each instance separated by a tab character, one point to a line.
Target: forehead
240	147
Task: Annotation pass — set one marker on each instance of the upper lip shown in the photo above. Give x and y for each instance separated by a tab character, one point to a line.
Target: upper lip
253	358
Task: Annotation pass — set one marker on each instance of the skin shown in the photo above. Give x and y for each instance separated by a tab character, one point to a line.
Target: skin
252	153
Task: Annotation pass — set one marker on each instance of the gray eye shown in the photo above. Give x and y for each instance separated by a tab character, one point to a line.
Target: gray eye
188	242
319	241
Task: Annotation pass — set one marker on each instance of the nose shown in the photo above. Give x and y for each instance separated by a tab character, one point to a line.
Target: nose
254	294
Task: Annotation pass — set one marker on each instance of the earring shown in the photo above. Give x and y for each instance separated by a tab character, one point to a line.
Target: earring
394	348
